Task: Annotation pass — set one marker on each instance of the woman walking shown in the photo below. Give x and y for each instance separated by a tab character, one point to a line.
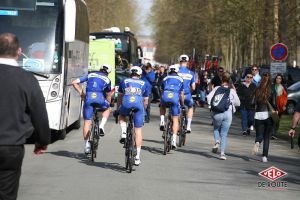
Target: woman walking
279	100
222	120
263	121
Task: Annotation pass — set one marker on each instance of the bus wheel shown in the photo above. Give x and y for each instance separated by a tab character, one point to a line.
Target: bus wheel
62	134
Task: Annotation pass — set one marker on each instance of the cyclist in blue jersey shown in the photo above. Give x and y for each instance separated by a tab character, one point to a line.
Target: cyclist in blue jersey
172	93
189	85
133	93
98	92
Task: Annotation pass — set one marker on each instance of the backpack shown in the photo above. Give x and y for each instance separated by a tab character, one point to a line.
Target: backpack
220	102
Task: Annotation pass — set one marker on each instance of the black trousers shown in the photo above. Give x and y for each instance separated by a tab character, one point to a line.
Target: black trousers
263	132
11	158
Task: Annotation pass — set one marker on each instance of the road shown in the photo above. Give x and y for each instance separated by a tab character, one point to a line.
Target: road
192	172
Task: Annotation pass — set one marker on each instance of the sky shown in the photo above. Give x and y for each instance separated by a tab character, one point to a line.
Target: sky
145	6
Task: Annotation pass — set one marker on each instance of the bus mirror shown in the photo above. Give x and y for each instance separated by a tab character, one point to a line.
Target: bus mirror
140	50
70	20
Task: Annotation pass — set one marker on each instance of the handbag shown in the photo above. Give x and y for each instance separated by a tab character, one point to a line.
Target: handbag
273	113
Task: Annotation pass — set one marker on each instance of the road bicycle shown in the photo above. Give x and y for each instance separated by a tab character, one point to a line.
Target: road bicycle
182	128
94	135
129	145
167	134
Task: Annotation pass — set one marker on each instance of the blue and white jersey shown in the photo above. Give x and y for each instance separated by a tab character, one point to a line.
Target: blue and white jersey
96	82
172	83
134	90
188	79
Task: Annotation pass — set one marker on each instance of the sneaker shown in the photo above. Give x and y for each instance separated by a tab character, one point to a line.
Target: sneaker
137	161
251	128
188	130
174	146
264	159
248	131
162	126
255	148
101	134
147	120
274	137
87	148
244	133
216	147
223	157
123	137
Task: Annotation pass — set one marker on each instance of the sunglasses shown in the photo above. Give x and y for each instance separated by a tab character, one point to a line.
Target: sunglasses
249	76
254	69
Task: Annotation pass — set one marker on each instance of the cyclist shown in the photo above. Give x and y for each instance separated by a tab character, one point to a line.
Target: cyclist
98	92
189	85
133	94
172	92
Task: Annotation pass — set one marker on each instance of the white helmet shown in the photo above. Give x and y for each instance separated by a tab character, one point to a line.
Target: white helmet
173	68
183	58
106	67
136	70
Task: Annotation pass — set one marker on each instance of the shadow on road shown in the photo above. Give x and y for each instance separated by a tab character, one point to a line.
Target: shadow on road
83	159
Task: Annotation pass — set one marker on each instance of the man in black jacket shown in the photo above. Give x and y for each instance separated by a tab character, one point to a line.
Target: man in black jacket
22	111
246	94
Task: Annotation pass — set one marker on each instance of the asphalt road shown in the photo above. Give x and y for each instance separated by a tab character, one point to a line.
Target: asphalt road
191	172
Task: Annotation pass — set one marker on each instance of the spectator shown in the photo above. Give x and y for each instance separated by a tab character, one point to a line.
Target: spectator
263	121
222	120
217	79
203	87
295	120
246	94
149	78
23	110
279	100
256	77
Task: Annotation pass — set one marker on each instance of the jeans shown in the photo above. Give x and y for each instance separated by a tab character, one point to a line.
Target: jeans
202	95
222	122
263	133
147	111
247	118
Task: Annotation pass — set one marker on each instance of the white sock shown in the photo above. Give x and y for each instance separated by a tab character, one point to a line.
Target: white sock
103	122
162	119
174	137
189	121
86	143
138	152
123	127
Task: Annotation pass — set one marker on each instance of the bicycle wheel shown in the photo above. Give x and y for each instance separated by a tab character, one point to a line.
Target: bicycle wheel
169	135
94	142
165	141
129	150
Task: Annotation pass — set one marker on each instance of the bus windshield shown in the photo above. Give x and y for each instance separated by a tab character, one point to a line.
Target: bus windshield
39	33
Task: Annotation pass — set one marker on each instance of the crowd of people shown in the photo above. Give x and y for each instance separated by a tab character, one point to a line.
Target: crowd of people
258	98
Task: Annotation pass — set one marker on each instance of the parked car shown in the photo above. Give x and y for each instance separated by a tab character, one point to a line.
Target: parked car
293	97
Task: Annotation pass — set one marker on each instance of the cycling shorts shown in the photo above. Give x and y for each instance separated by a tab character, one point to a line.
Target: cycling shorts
135	102
188	100
94	98
171	99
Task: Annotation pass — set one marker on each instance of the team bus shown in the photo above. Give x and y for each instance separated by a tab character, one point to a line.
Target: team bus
126	48
54	37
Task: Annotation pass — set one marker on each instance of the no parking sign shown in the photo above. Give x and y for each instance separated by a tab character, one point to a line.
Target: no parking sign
279	52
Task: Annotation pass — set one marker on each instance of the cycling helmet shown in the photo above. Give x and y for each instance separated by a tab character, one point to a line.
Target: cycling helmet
173	68
136	70
106	67
183	58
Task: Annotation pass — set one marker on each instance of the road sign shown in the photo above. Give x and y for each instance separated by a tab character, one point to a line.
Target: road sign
279	52
277	67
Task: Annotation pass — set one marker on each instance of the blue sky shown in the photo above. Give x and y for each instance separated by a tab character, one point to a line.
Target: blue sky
144	11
